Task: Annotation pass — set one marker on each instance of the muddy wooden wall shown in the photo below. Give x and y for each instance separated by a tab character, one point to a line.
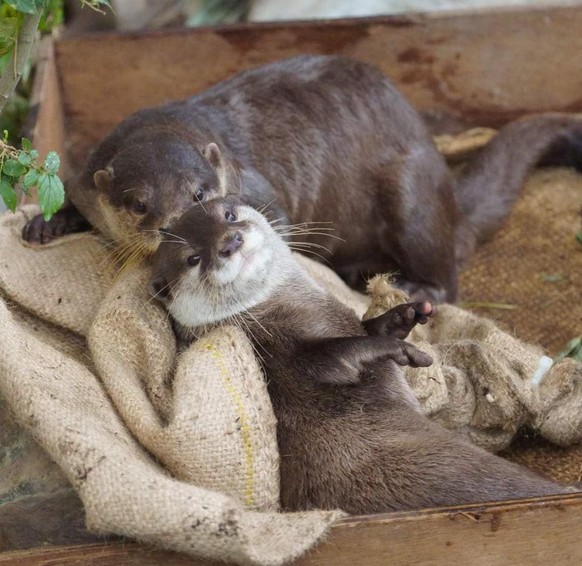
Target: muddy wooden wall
472	69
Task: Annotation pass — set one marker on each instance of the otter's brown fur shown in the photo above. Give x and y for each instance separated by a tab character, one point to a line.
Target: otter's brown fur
316	139
350	431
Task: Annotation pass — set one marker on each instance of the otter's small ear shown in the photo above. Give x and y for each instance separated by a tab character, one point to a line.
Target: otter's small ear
103	179
213	155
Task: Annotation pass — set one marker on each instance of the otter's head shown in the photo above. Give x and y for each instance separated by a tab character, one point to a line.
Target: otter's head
149	184
219	259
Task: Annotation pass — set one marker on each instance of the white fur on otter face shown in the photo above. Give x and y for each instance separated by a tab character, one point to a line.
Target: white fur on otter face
236	283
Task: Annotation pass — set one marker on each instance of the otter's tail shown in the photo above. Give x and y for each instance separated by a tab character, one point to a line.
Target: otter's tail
488	188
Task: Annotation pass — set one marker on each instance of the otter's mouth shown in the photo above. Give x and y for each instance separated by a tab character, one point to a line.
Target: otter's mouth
248	259
247	264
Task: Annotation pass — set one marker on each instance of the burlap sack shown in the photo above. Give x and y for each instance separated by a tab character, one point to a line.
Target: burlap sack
212	400
54	394
175	450
486	383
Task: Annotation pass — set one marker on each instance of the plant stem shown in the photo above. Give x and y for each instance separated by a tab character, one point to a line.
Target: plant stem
19	56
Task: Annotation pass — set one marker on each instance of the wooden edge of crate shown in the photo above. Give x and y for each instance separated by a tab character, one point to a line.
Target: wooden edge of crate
48	129
534	531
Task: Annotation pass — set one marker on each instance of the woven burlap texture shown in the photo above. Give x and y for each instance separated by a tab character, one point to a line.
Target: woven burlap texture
210	424
179	449
484	382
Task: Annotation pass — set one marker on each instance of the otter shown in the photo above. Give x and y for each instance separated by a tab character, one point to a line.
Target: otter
350	431
312	139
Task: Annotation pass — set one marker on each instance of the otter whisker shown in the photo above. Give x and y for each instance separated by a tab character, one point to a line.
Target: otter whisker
179	242
262	208
309	245
307	225
155	296
200	202
302	230
170	235
252	339
308	251
248	313
318	231
135	257
308	233
165	233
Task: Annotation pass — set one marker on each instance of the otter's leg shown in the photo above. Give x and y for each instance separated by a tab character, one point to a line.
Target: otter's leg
342	361
418	235
66	221
400	320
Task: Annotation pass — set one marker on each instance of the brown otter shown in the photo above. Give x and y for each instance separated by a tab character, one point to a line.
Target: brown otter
350	431
319	139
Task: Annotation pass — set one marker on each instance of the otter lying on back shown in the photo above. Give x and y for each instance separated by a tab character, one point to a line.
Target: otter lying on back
350	431
315	139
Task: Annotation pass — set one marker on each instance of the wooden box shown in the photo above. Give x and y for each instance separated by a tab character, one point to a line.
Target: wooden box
483	69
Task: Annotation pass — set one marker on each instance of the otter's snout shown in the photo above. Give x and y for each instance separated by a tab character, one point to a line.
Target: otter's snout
232	243
159	288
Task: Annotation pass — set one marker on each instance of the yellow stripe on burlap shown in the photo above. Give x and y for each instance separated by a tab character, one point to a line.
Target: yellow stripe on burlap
244	424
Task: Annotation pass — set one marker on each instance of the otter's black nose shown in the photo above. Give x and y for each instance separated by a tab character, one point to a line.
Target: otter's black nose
159	288
232	243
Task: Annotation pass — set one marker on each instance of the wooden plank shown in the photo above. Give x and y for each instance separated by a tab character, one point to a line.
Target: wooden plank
483	68
531	532
46	103
516	534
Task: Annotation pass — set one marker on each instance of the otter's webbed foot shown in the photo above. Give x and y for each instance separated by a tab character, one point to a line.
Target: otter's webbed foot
406	354
343	361
66	221
400	320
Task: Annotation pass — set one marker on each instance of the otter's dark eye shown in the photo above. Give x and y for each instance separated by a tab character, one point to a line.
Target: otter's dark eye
193	260
138	207
230	217
200	193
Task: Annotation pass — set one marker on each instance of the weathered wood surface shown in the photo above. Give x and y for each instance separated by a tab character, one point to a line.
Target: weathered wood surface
480	68
47	107
535	532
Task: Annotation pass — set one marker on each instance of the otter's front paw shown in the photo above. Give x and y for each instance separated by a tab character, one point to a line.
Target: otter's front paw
405	354
40	231
400	320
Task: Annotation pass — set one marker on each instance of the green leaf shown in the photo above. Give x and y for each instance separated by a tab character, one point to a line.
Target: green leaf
24	158
53	15
8	33
52	162
26	6
30	179
96	4
8	194
33	154
26	144
579	237
51	194
13	169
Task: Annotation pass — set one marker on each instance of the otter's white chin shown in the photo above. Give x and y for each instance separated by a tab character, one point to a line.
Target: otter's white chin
248	264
